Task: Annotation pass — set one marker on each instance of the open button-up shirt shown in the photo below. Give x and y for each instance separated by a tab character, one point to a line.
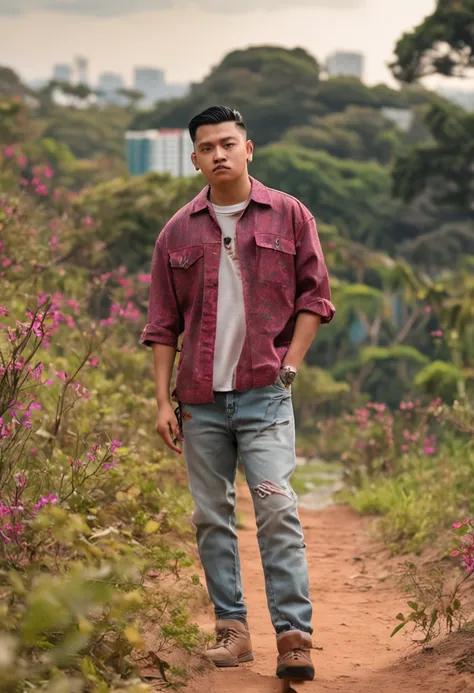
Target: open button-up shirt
283	273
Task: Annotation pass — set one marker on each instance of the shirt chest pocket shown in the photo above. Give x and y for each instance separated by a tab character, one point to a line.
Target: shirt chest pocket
275	258
187	267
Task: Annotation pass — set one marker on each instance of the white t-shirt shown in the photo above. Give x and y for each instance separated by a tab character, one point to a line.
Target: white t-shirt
230	330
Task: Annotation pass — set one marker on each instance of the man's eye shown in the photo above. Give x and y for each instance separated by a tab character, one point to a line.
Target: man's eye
229	144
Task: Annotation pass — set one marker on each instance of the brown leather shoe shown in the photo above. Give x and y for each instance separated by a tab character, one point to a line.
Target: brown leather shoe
233	645
294	656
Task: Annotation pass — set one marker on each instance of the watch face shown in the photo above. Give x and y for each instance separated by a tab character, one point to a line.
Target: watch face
290	376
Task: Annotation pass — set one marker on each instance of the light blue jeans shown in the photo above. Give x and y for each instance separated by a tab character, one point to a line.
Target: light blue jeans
256	426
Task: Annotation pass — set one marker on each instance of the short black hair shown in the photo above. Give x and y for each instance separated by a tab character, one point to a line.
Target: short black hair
213	116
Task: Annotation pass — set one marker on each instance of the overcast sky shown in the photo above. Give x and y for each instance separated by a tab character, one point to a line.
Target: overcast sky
187	37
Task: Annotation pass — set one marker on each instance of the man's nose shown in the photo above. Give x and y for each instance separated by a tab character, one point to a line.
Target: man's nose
219	154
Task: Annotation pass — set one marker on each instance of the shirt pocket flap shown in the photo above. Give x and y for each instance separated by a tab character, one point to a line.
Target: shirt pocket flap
275	242
185	257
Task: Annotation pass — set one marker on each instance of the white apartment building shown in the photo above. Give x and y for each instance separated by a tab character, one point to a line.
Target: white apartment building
161	151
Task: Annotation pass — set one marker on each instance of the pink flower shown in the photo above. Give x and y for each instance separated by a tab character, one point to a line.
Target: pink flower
8	152
3	311
114	445
48	172
37	372
45	500
93	362
437	334
41	190
427	309
430	445
21	160
20	480
405	448
62	375
144	278
87	221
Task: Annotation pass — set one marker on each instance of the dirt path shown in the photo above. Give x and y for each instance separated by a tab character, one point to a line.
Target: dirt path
355	605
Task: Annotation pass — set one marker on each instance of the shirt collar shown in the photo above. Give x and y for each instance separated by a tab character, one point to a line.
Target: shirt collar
258	193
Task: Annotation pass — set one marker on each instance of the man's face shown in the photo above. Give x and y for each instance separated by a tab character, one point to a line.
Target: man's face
221	152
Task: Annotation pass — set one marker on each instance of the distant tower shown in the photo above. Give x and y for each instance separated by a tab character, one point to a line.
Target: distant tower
62	73
82	67
345	64
150	81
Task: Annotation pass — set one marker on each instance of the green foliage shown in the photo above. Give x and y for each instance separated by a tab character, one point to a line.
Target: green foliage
89	133
440	379
11	86
400	352
275	88
421	497
261	82
136	208
442	44
93	569
444	164
357	133
354	196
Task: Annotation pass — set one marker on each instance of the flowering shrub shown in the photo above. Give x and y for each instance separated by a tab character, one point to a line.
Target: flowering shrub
438	606
90	506
465	548
379	438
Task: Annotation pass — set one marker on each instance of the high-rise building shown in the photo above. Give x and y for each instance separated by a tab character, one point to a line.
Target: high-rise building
82	66
62	73
151	82
345	64
109	83
161	151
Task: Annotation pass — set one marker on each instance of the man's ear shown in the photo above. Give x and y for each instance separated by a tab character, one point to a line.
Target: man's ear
250	150
194	160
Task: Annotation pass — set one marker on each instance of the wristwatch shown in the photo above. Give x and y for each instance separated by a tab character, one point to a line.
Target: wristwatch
288	375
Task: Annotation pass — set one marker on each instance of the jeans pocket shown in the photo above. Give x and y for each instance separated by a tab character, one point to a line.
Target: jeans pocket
280	384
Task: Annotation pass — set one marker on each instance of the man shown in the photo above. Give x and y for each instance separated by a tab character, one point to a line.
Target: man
240	271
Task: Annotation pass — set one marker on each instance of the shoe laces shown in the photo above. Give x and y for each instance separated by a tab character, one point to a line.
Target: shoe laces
227	636
297	653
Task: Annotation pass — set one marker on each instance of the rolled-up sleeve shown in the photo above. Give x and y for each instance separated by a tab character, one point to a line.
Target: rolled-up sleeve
165	322
312	282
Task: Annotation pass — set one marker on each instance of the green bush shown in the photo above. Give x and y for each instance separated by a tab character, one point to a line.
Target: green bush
94	573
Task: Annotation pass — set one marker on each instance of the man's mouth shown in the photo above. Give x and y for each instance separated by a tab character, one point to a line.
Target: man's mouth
221	168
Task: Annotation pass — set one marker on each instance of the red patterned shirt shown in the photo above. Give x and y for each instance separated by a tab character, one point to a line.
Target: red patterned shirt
283	273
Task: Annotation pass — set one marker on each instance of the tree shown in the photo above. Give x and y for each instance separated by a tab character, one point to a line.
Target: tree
273	87
445	164
134	96
442	44
89	132
132	213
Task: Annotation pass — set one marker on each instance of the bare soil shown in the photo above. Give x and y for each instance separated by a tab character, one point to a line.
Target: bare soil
356	600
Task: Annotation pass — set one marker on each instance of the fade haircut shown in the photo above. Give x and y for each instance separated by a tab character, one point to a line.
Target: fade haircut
213	116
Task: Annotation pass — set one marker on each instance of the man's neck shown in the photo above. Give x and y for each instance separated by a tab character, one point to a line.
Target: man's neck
231	194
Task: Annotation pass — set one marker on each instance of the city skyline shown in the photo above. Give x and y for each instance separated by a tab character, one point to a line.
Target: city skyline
186	41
